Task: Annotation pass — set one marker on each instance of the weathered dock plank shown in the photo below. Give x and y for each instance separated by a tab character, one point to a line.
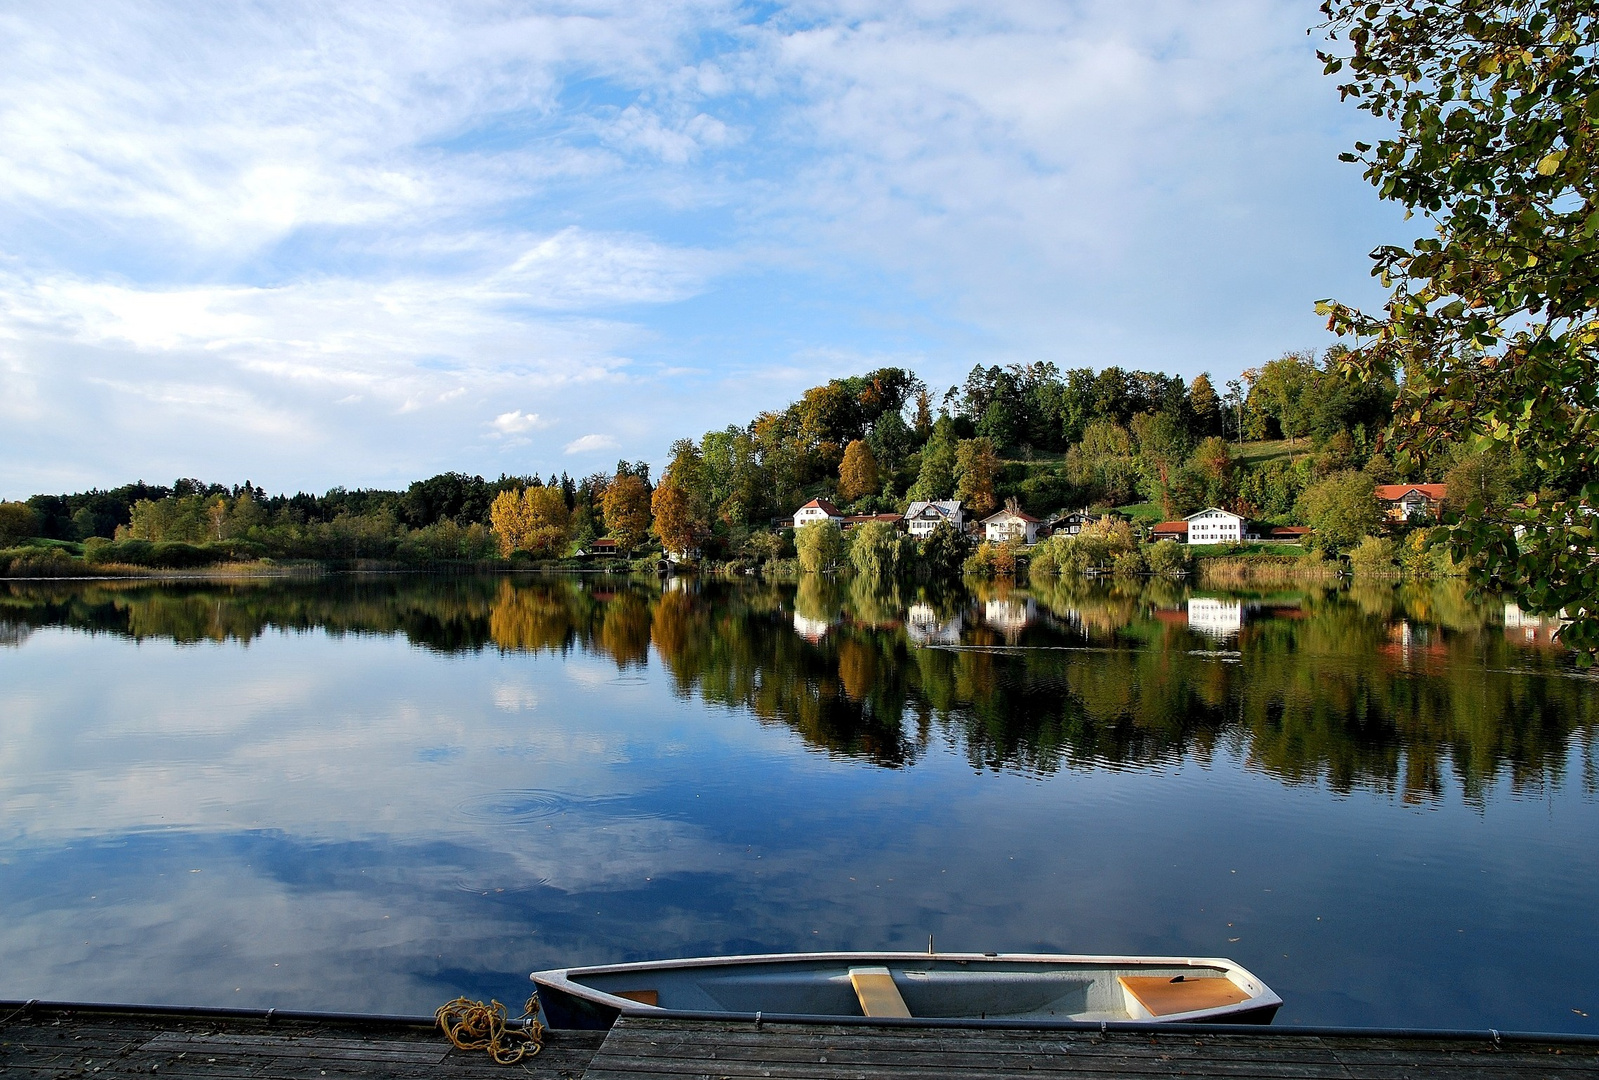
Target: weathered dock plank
65	1045
638	1048
60	1044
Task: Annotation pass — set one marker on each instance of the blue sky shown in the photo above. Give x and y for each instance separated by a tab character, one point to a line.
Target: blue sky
311	244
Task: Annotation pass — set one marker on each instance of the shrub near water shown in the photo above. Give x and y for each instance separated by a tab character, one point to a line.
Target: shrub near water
1168	559
38	562
166	554
1373	556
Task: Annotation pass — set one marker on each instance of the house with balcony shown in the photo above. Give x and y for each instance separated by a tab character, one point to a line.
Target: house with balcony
1072	522
921	517
1011	523
1402	502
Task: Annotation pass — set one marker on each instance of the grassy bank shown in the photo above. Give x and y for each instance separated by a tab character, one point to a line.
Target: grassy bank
69	559
1255	570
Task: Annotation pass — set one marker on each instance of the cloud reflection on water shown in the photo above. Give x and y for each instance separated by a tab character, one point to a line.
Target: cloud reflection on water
406	788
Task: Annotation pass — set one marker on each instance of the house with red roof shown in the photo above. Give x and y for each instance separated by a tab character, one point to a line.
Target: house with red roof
1011	523
818	510
1211	525
1401	502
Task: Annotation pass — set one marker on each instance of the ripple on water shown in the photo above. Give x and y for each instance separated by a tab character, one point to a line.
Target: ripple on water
532	804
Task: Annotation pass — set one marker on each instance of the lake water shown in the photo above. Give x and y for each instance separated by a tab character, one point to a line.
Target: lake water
376	793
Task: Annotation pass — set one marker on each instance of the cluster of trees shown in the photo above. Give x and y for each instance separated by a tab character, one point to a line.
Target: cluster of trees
880	551
872	443
1049	439
450	517
1486	114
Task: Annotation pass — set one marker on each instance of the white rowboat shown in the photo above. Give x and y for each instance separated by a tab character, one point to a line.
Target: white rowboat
979	987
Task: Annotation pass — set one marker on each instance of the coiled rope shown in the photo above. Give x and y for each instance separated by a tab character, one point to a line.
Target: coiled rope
472	1025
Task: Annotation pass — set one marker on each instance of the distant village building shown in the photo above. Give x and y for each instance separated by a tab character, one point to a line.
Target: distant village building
1010	524
1401	502
922	518
1287	534
1215	618
1073	522
603	546
1213	525
817	510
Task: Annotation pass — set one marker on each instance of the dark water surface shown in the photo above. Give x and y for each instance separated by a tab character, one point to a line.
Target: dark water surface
375	793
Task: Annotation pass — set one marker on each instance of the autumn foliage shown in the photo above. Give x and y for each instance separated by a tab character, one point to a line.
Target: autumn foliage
857	476
627	511
535	520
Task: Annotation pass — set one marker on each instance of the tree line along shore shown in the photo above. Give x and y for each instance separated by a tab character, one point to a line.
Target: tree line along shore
1287	444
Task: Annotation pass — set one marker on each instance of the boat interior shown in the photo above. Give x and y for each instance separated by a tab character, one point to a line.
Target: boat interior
935	988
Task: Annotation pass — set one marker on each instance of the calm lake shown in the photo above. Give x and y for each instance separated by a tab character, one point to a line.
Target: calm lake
375	793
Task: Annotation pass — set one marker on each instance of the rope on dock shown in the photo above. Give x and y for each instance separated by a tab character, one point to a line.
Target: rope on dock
472	1025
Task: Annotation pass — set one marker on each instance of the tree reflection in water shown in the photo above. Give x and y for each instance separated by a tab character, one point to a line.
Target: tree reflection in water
1383	686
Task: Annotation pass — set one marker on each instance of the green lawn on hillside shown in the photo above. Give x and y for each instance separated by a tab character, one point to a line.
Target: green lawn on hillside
1143	513
1257	453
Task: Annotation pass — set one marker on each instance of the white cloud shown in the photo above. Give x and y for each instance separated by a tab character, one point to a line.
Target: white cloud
514	423
425	212
589	444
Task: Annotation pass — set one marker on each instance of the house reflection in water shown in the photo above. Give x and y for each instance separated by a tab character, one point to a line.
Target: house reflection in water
812	630
1010	615
1528	628
923	626
1215	618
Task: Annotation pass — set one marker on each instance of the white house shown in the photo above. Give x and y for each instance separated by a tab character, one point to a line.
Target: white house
1008	524
1215	526
817	510
923	517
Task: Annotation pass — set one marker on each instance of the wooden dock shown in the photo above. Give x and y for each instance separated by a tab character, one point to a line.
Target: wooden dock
62	1044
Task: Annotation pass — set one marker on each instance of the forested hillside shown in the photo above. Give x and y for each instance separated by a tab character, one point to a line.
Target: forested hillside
1289	442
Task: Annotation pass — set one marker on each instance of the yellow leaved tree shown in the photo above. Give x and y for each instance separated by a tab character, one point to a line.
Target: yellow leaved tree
535	520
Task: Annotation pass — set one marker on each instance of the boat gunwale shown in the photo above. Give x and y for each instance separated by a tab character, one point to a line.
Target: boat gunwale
565	981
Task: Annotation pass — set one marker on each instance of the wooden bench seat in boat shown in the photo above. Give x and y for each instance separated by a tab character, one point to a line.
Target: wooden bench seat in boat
1162	995
878	995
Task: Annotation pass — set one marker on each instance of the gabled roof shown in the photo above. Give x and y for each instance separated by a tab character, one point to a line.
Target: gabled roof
1022	514
1215	509
1290	530
1395	492
823	505
1172	527
942	507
